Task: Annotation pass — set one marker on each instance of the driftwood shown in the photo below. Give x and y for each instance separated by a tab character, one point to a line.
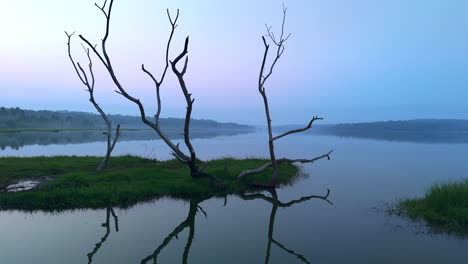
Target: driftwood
89	83
263	76
189	160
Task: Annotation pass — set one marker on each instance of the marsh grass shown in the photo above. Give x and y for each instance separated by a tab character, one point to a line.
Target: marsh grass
128	180
444	207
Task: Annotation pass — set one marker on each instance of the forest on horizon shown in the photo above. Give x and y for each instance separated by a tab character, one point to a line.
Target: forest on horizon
45	119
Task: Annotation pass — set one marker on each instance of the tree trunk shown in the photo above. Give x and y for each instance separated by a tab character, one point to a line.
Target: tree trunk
103	163
89	83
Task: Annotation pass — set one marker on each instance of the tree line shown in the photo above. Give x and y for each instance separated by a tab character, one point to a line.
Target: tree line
18	118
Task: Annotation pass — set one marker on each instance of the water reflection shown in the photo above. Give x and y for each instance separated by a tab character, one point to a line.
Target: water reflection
275	204
189	223
17	140
425	136
109	212
194	208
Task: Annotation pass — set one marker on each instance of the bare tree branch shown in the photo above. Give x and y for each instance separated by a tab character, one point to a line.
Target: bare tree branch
102	8
83	76
163	75
300	129
71	58
188	99
93	48
279	43
90	65
283	160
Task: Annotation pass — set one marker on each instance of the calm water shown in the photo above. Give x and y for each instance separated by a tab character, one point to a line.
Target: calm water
363	174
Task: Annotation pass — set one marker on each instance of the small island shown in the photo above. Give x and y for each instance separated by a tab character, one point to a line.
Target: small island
71	182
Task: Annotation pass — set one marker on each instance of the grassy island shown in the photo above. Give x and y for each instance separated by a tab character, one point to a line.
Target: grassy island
444	207
73	183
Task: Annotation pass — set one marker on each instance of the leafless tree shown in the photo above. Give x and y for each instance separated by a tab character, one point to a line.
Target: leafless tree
89	82
264	75
190	160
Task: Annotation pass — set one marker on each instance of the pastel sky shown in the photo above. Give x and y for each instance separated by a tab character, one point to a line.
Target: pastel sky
348	60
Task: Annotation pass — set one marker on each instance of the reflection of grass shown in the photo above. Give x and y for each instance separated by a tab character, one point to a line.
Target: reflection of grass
129	180
445	206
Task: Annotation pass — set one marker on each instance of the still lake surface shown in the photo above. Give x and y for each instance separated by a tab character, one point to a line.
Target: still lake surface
362	175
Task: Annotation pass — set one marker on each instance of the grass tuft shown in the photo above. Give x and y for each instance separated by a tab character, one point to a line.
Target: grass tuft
444	207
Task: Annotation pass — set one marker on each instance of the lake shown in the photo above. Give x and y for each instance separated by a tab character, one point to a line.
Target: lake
363	176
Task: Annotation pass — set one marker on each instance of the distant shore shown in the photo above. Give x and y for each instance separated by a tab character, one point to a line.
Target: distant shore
418	130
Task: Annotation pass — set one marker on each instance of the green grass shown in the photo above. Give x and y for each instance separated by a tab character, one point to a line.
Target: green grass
444	207
127	181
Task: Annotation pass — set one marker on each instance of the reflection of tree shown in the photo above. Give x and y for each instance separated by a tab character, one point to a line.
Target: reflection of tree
276	203
188	222
109	212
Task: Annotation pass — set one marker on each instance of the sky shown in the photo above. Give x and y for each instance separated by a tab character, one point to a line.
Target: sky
347	61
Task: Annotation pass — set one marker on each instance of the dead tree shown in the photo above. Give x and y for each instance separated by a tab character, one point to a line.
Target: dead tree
89	81
190	160
264	75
